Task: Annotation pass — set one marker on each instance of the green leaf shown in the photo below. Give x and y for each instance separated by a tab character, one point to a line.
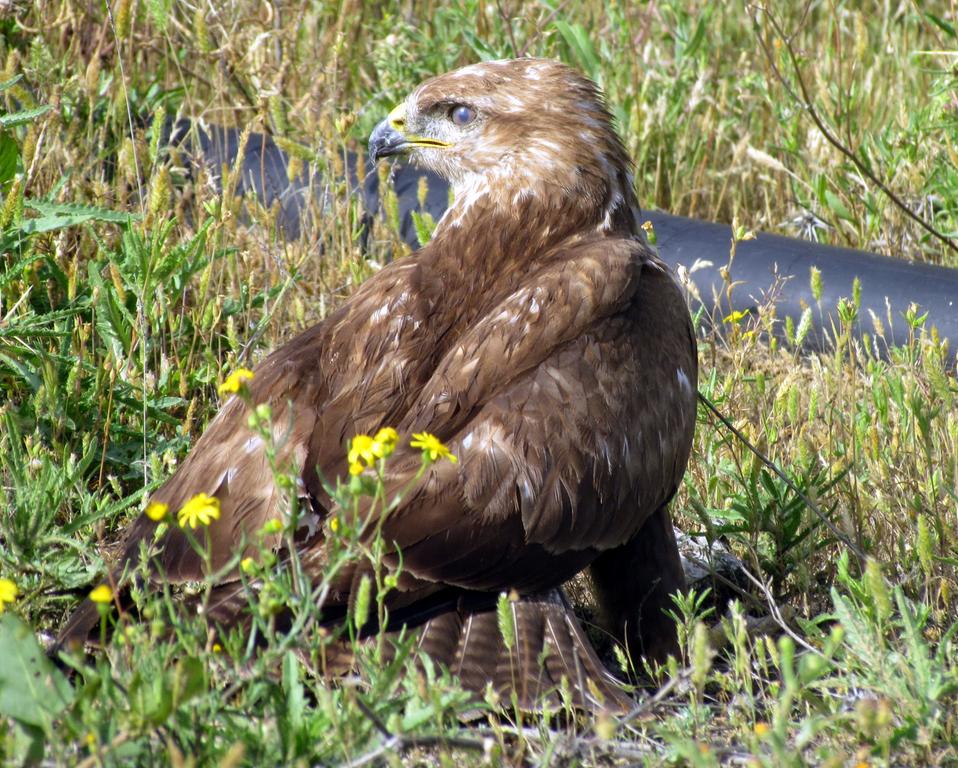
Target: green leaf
26	372
943	25
23	116
11	82
114	322
75	209
580	45
9	157
698	37
189	680
32	690
838	207
108	511
918	657
480	47
293	689
55	216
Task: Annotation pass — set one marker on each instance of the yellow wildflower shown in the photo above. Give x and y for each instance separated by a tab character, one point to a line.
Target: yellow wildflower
201	509
102	594
761	729
217	648
247	564
272	526
360	454
334	524
156	510
384	442
235	381
735	316
431	446
649	232
8	593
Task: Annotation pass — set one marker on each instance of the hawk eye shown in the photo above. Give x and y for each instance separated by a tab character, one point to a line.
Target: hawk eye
460	114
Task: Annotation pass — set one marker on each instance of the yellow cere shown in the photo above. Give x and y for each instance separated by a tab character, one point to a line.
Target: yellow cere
8	593
156	510
235	381
431	446
397	117
202	509
102	594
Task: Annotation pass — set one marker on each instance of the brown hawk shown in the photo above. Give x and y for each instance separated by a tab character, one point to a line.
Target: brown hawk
541	340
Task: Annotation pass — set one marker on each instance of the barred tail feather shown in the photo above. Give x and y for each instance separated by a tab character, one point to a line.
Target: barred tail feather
550	654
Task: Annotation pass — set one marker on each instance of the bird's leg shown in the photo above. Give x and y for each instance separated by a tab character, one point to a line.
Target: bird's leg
633	587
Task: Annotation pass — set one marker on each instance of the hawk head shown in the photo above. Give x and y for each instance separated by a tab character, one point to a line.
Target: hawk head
512	131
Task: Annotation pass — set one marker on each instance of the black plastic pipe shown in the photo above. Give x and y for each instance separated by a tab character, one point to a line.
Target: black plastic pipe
888	286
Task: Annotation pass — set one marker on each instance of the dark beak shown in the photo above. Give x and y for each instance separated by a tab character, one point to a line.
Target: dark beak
385	141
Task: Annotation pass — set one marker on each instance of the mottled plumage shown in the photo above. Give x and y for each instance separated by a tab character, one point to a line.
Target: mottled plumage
541	340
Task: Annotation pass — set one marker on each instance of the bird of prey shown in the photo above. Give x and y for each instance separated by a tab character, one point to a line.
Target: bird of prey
539	338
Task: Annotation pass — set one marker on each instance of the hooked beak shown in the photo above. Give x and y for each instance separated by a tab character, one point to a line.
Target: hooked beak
389	137
385	141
